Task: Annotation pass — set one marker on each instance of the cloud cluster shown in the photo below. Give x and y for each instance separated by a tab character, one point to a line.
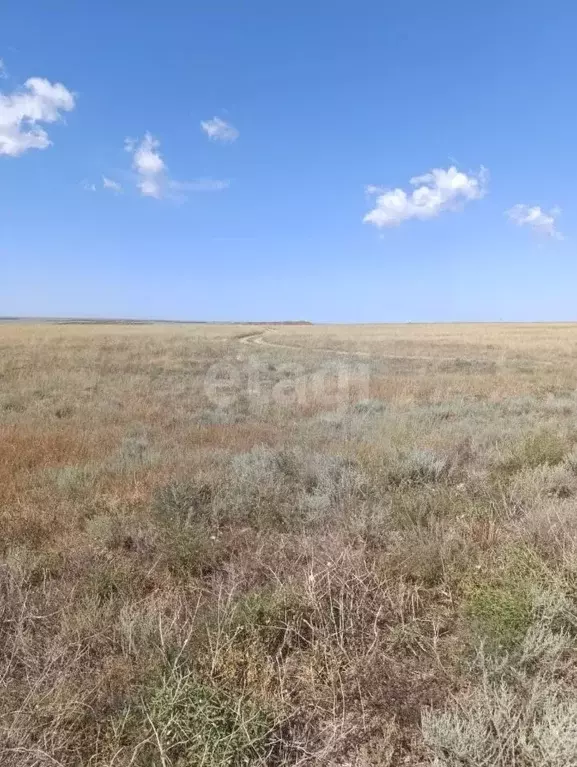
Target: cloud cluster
25	111
535	218
22	111
219	130
435	192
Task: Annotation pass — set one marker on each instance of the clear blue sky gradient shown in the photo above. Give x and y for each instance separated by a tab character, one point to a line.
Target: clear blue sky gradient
328	97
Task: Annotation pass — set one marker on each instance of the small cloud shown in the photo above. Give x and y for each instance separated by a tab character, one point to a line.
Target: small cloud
113	186
88	186
219	130
3	70
148	164
535	218
435	192
21	111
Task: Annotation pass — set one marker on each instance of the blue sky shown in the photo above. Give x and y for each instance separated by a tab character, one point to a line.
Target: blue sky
264	212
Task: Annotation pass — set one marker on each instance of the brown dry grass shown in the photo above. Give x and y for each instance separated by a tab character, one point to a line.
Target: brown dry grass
384	578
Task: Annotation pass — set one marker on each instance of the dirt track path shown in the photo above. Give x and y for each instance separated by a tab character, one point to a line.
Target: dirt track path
258	339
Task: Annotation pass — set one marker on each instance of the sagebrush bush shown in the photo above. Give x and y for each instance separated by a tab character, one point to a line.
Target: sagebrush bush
287	488
520	711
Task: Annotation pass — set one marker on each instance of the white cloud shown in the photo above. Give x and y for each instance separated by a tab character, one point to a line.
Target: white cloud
148	164
110	184
435	192
538	220
88	186
153	179
3	71
21	111
219	130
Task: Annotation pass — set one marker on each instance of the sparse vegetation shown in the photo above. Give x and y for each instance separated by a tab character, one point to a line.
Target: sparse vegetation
295	574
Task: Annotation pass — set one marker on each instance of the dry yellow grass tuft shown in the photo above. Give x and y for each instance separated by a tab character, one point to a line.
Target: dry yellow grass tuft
288	545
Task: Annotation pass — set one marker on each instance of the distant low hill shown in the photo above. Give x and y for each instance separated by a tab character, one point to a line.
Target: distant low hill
112	321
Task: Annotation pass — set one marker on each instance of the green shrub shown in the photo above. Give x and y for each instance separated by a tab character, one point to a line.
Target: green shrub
187	538
188	722
501	613
500	598
183	502
535	449
278	619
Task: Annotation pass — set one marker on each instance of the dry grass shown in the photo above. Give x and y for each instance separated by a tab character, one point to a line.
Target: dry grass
305	574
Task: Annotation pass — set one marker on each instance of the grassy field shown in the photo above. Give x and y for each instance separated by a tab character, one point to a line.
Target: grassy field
291	545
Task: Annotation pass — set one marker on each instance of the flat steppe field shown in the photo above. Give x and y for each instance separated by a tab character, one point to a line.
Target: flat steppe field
231	545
